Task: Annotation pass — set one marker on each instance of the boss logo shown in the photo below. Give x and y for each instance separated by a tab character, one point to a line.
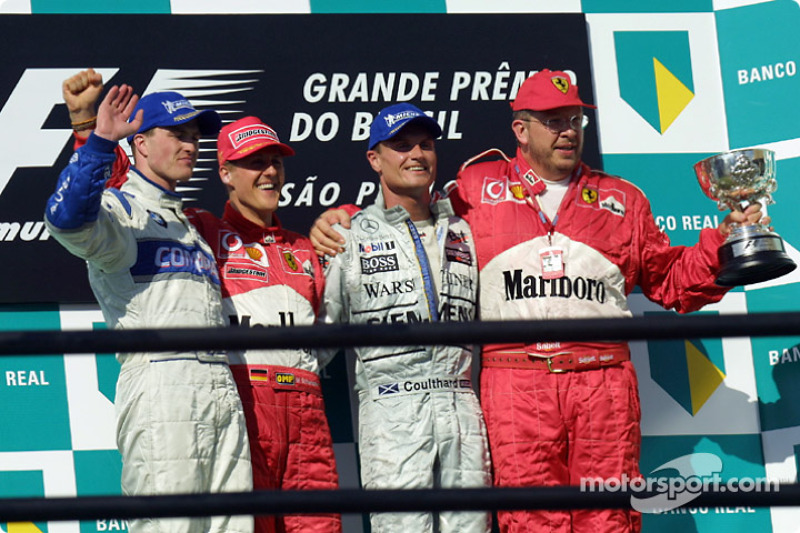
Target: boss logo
379	263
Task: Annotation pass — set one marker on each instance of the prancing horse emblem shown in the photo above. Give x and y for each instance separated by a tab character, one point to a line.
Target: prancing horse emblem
290	260
561	83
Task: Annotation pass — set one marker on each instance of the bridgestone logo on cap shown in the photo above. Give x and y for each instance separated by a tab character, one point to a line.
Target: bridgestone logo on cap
243	135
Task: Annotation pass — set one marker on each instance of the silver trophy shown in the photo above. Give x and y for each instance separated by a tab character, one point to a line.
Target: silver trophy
752	252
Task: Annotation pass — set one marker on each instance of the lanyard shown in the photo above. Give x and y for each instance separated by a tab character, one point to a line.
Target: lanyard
535	186
551	226
425	267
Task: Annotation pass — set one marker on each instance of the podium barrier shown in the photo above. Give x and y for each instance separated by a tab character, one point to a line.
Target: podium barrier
361	501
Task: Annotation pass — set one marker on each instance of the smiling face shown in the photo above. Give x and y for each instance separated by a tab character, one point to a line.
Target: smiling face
406	164
552	154
254	184
167	155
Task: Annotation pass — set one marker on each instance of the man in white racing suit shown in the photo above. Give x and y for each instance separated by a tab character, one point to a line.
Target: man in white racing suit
410	260
180	423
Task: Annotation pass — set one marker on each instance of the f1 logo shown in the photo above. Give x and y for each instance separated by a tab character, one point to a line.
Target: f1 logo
26	144
24	141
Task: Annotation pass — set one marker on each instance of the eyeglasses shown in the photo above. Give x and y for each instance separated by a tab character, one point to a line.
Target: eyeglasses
557	125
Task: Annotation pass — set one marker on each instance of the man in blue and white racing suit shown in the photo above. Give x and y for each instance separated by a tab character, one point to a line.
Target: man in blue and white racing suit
180	425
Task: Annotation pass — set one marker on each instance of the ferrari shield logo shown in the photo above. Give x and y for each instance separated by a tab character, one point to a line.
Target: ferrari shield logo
290	260
589	195
561	83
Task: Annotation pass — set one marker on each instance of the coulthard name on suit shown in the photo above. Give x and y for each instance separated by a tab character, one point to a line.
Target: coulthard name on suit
424	385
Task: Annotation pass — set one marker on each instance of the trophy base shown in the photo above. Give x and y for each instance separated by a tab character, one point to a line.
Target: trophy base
752	257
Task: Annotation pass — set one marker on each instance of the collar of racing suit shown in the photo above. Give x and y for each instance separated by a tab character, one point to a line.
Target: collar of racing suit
149	191
521	168
439	209
251	230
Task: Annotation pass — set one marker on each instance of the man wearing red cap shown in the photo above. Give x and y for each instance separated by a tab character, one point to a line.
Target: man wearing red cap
271	277
555	240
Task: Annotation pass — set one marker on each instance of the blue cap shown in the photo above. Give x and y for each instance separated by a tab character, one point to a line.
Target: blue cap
167	108
392	119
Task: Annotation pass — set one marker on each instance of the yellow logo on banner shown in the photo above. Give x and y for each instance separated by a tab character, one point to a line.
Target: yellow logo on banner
22	527
673	95
704	376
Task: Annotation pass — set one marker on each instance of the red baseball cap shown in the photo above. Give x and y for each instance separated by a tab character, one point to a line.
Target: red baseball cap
547	90
246	136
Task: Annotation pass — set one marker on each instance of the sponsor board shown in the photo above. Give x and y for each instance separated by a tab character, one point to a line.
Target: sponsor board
692	387
759	56
659	88
321	105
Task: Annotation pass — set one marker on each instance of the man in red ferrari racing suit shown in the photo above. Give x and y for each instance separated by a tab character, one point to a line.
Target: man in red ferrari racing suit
270	276
555	240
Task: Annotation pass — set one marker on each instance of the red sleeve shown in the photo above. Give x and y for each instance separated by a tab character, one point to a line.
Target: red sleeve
678	277
458	193
301	242
195	217
350	209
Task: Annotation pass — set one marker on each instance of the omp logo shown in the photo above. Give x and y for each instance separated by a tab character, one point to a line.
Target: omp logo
689	370
26	144
285	378
655	74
